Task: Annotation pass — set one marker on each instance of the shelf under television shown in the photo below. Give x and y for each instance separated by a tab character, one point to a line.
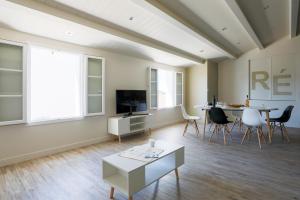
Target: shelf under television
94	95
11	96
136	123
97	77
10	70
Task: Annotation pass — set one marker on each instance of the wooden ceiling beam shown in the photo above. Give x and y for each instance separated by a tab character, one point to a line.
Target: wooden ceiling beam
294	12
238	13
165	13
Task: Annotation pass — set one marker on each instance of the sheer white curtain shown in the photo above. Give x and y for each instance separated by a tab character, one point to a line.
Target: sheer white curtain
55	85
166	88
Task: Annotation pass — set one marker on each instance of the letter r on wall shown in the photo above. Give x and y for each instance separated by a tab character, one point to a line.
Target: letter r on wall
260	77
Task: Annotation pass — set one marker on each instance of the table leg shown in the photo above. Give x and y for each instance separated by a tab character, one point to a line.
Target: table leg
120	140
176	172
150	131
205	122
112	190
269	126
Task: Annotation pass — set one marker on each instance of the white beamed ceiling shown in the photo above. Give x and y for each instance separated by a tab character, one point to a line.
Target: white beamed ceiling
151	34
216	14
144	22
41	24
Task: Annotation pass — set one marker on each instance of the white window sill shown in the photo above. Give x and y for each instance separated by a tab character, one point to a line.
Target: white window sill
166	108
54	121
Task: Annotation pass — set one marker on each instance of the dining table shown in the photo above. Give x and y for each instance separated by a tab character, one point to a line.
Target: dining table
265	110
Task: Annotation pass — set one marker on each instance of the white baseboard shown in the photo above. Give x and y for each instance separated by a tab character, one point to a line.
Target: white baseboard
50	151
54	150
161	125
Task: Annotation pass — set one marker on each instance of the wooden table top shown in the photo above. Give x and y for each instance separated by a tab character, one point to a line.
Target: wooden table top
230	108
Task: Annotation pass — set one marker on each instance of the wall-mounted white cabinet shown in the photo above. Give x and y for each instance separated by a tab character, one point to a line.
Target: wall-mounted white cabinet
153	88
179	88
95	80
12	83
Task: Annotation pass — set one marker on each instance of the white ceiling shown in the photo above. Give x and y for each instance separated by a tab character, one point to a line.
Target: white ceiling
45	25
269	18
211	17
173	44
144	22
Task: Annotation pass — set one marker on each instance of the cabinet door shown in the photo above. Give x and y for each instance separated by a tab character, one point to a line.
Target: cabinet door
95	86
11	83
179	88
124	126
153	88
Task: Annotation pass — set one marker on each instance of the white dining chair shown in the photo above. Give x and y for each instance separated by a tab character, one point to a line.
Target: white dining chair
189	120
252	119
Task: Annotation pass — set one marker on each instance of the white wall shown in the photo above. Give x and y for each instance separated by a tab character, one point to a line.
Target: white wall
201	86
20	142
212	80
196	87
233	77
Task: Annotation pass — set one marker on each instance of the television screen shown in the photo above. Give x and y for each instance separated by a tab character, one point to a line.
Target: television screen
129	101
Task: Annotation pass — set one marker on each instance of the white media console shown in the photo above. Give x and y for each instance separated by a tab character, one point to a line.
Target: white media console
121	126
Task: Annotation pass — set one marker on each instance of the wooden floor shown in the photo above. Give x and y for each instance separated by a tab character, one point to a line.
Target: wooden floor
212	171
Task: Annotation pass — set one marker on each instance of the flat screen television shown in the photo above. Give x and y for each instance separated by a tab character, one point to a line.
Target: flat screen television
129	101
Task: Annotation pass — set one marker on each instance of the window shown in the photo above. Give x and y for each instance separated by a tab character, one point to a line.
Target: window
59	86
166	88
55	85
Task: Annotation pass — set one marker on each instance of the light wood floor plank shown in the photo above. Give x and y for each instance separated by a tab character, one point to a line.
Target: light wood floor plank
212	171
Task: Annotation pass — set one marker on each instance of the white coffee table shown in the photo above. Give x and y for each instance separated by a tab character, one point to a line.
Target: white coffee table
130	176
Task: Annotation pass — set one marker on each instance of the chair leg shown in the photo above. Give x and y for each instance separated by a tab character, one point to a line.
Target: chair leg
219	130
258	137
215	128
245	134
211	136
228	131
262	135
233	125
281	129
272	127
224	135
185	128
214	132
211	125
196	126
286	133
249	134
241	124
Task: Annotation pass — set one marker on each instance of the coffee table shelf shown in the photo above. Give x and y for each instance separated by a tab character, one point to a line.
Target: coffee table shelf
160	168
130	176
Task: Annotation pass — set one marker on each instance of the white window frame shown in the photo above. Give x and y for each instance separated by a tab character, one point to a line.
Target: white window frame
28	89
175	91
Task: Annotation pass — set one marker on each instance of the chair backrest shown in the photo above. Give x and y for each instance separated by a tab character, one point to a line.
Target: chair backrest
183	111
286	115
217	115
252	117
